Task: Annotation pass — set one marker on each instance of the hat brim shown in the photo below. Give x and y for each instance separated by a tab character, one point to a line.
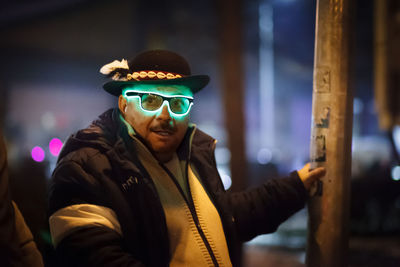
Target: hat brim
195	83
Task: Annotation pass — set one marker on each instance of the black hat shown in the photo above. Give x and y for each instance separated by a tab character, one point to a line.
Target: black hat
152	67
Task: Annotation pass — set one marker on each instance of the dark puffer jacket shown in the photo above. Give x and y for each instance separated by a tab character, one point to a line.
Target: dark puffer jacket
94	167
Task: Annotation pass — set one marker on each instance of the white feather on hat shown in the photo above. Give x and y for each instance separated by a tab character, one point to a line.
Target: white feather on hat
110	67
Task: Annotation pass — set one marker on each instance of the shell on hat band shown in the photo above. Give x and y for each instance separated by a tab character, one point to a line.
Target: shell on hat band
117	70
152	75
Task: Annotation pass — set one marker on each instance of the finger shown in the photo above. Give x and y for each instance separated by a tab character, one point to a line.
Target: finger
317	173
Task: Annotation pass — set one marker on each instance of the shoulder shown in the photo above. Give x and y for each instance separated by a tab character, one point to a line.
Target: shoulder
82	159
78	178
100	135
83	166
91	144
82	156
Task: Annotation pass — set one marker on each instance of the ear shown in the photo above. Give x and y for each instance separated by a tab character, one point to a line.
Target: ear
122	104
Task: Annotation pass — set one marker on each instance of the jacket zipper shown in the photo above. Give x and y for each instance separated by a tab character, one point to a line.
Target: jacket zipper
192	209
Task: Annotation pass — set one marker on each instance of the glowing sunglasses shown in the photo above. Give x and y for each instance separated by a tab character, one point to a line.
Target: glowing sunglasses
179	105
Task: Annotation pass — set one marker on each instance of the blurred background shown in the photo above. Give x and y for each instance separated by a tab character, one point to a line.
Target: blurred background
50	86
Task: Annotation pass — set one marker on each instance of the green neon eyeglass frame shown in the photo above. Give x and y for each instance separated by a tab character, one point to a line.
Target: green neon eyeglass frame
186	102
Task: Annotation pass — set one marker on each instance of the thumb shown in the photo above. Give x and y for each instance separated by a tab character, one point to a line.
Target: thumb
308	177
317	173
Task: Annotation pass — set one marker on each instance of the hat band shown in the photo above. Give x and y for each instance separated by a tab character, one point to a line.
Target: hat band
152	75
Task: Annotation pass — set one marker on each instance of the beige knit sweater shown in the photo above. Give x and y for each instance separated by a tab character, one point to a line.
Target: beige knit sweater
186	244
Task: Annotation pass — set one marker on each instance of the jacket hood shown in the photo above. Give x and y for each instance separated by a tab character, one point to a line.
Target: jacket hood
101	134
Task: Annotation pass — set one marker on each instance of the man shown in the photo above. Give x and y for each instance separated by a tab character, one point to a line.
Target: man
140	187
17	247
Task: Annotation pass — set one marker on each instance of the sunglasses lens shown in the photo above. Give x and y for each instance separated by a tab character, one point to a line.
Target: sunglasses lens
151	102
179	105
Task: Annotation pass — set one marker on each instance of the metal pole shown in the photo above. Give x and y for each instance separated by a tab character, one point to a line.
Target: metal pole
331	131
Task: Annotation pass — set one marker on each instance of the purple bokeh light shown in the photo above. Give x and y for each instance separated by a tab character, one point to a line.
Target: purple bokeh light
55	146
37	154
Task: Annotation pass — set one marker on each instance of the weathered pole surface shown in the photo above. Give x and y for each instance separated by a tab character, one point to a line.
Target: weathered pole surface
331	133
230	19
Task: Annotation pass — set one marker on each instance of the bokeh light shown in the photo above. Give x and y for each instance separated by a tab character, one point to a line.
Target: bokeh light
37	154
264	156
225	174
48	121
222	155
358	105
226	181
55	146
396	173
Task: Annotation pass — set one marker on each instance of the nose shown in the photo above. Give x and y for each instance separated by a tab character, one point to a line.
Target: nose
164	114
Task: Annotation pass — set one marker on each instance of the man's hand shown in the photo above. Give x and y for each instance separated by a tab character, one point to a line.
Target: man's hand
308	177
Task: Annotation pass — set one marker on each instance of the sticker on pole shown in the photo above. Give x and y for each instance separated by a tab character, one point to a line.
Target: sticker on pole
323	120
323	80
318	149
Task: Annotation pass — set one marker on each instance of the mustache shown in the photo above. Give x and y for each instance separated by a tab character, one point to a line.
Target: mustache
164	126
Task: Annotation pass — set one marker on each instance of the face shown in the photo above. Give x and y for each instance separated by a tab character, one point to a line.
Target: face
162	130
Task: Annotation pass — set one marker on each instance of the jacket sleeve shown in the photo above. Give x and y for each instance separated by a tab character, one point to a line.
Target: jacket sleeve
8	247
261	210
30	255
17	247
88	236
